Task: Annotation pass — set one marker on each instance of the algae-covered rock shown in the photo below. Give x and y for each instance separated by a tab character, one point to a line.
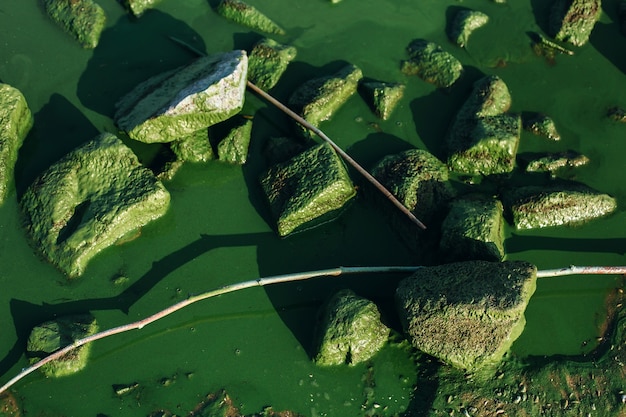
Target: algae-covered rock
351	331
318	99
573	20
244	14
565	203
464	23
173	105
268	61
15	123
234	147
541	125
51	336
194	148
431	63
382	97
87	201
138	7
474	229
83	19
490	96
552	162
311	186
467	314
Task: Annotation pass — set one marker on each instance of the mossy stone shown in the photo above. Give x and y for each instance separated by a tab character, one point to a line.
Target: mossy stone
318	99
432	64
175	104
194	148
351	331
310	186
383	97
51	336
464	23
233	148
268	61
138	7
541	125
473	229
467	314
490	96
244	14
552	162
564	203
573	20
83	19
88	200
16	121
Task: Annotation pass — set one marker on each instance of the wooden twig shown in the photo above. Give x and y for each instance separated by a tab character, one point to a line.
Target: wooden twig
582	270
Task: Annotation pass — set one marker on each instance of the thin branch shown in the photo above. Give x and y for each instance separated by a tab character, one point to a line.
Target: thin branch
582	270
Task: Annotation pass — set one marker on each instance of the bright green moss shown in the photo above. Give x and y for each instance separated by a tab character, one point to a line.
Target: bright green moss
244	14
83	19
573	20
383	97
234	147
194	148
268	61
432	64
138	7
464	23
541	125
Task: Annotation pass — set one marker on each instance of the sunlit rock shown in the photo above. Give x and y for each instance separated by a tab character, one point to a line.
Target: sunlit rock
268	61
83	19
351	331
51	336
15	123
464	23
573	20
467	314
138	7
307	189
431	63
90	199
382	97
233	148
552	162
541	125
244	14
173	105
194	148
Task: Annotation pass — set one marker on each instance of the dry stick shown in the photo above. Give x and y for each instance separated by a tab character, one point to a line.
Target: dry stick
582	270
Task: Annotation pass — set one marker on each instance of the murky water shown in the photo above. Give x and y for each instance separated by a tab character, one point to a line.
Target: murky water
256	344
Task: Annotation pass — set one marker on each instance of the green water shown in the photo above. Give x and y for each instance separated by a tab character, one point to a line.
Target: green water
256	344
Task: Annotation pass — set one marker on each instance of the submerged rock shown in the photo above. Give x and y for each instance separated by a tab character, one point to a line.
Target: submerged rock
234	147
83	19
51	336
541	125
268	61
307	189
467	314
432	64
175	104
382	97
318	99
351	331
194	148
15	123
464	23
474	229
138	7
244	14
90	199
573	20
617	114
566	203
552	162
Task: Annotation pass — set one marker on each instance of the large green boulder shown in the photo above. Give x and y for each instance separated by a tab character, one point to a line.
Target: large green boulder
268	61
138	7
15	122
473	229
563	203
83	19
431	63
51	336
467	314
89	200
244	14
573	20
464	23
382	97
490	96
318	99
307	189
173	105
351	331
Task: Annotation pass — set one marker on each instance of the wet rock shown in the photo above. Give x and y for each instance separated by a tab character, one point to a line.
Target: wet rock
83	19
194	148
431	63
217	404
351	331
382	97
90	199
483	139
234	147
552	162
318	99
15	123
175	104
244	14
573	20
617	114
51	336
466	314
307	189
464	23
474	229
268	61
564	203
138	7
541	125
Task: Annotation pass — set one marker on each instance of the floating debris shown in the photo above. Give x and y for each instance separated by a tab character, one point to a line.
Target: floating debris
617	114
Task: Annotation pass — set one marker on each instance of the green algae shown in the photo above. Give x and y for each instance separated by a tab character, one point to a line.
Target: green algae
383	97
244	14
267	62
139	7
194	148
552	162
573	20
83	19
233	148
464	23
541	125
432	64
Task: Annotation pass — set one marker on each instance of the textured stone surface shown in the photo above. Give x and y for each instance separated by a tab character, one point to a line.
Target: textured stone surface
90	199
234	147
244	14
173	105
83	19
307	188
138	7
194	148
351	331
51	336
464	23
573	20
382	97
552	162
431	63
15	122
541	125
268	61
467	314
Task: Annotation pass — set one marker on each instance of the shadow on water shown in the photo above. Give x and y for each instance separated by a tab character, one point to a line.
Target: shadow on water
541	11
608	39
519	243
